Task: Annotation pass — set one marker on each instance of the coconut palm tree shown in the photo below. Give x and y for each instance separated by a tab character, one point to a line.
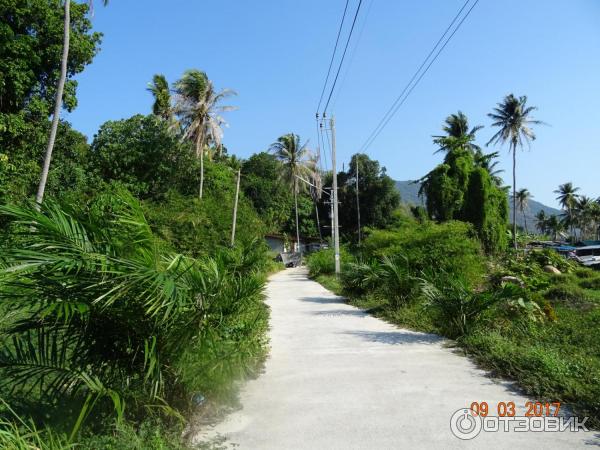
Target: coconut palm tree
296	163
162	97
584	213
523	196
197	107
513	117
541	219
488	162
457	126
60	87
567	197
554	226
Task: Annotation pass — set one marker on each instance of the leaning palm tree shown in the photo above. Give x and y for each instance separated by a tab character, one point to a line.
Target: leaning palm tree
297	164
162	97
567	197
523	196
513	117
197	107
457	126
58	98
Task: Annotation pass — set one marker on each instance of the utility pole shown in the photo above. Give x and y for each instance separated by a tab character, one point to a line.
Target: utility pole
357	201
336	233
235	205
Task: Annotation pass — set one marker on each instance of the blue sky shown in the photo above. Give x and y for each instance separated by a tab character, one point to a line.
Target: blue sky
275	55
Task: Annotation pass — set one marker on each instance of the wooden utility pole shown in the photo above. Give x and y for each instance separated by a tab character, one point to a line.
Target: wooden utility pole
357	201
336	233
235	206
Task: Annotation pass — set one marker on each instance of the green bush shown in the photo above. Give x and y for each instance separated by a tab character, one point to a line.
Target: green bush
590	283
456	306
97	311
568	293
449	247
322	262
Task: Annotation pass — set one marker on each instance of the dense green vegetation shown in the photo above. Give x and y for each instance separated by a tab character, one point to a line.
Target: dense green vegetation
125	309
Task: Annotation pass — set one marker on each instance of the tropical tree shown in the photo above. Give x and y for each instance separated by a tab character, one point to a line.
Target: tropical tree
457	126
199	112
523	196
60	87
584	213
162	97
567	196
541	219
513	117
296	163
554	225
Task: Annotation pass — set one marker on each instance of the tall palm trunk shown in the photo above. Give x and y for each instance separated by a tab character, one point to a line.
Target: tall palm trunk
200	153
514	152
57	104
297	222
525	220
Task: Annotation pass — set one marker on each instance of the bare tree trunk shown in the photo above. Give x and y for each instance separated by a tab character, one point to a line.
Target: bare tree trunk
57	104
297	222
514	195
318	221
525	220
200	154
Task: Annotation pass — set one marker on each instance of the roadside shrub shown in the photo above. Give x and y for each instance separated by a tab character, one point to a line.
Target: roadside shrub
322	262
457	307
97	312
450	247
397	282
359	278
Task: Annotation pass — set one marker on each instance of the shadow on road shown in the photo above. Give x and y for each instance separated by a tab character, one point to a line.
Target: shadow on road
396	337
323	300
340	312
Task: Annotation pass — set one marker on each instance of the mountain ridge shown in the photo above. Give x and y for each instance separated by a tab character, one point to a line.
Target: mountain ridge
409	193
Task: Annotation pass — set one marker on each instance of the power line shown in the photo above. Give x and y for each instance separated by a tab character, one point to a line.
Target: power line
343	56
406	91
352	55
333	54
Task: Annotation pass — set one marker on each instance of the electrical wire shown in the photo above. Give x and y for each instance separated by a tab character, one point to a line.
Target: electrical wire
333	55
408	89
343	56
352	55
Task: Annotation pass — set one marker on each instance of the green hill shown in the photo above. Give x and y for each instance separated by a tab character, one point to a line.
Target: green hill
409	192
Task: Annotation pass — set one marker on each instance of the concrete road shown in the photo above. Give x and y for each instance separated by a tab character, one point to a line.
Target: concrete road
338	378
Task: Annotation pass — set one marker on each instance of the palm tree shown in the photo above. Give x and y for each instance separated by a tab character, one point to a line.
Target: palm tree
541	219
513	116
488	162
584	213
296	163
60	87
554	225
198	109
457	126
567	197
523	196
162	97
316	188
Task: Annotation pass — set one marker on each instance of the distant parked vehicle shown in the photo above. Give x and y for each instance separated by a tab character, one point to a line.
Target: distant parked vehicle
588	256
